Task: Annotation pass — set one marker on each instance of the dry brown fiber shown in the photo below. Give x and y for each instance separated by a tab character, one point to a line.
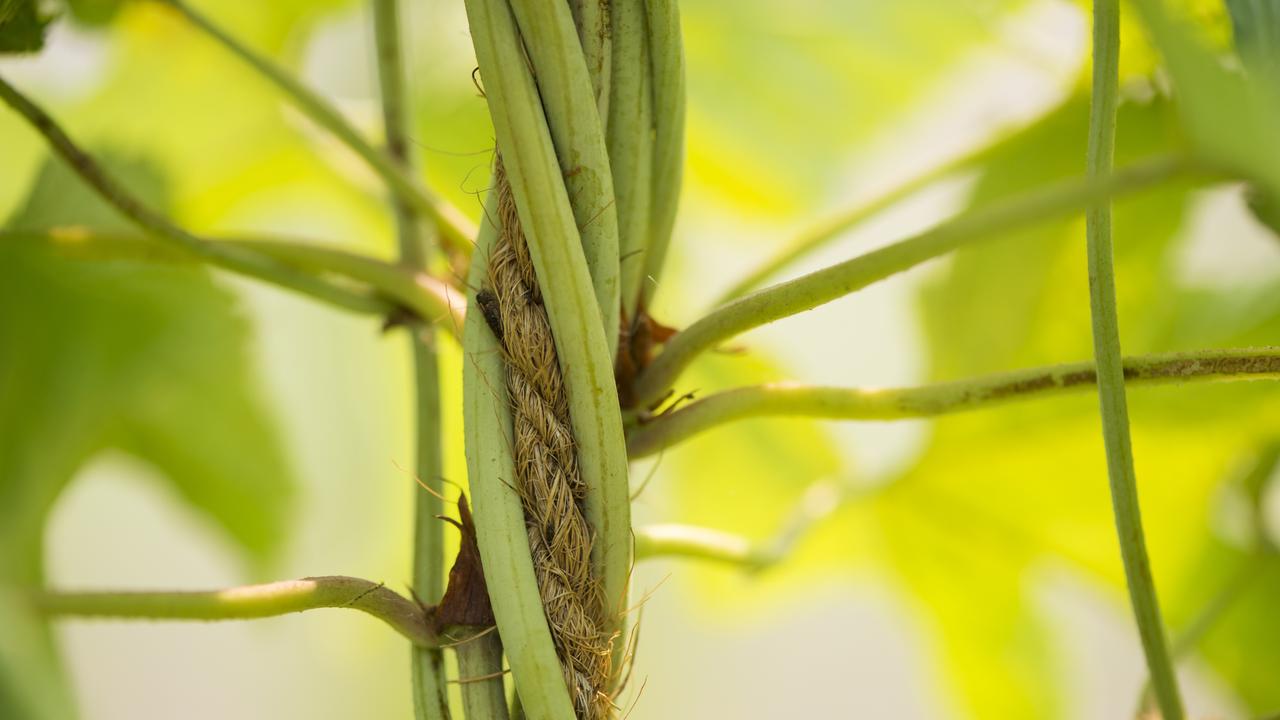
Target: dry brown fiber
547	476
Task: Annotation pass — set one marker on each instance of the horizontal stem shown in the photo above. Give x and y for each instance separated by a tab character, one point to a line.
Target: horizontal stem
383	287
456	229
823	286
836	226
939	398
697	543
249	602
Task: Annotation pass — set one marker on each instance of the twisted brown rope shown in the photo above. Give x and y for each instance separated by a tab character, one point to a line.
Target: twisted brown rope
547	476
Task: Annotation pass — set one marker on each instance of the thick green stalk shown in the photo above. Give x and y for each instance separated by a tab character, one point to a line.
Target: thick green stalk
787	400
497	509
592	20
455	228
631	143
564	84
430	696
237	259
548	224
1110	367
666	56
807	292
835	227
249	602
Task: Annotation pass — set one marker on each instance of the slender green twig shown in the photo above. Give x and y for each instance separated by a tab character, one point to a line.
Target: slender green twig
836	226
696	543
823	286
238	259
430	697
480	675
787	400
1110	367
250	602
456	230
380	288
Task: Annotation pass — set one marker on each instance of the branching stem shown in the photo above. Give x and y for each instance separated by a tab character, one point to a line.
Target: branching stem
786	400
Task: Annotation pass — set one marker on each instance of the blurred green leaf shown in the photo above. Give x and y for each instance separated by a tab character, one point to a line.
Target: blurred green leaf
146	359
22	26
94	12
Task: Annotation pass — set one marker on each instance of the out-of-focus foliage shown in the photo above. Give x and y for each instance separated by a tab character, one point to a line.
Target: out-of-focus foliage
117	355
999	496
22	26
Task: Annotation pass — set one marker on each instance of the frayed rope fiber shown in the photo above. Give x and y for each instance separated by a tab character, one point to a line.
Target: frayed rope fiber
547	476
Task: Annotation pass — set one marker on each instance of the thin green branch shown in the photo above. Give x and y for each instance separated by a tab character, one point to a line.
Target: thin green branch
249	602
455	228
786	400
1110	366
835	227
698	543
235	258
823	286
430	696
382	288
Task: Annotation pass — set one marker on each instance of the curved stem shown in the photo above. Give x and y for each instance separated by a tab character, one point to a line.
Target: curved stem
430	697
833	228
383	288
456	229
249	602
696	543
787	400
238	259
1110	368
823	286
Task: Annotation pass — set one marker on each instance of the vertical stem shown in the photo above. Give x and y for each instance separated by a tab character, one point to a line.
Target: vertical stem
666	55
630	137
484	696
430	699
1111	390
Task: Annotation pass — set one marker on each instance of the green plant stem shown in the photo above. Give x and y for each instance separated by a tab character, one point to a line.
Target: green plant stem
835	227
480	673
592	20
1110	367
497	509
630	138
237	259
430	696
789	400
823	286
250	602
666	57
696	543
382	288
564	85
547	221
455	228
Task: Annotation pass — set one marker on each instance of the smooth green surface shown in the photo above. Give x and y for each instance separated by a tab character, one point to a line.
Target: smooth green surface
1110	366
631	142
666	56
